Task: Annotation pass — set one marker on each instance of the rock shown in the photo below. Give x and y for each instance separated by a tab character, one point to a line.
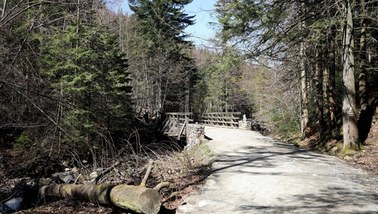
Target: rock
195	135
185	208
66	177
14	204
245	124
5	209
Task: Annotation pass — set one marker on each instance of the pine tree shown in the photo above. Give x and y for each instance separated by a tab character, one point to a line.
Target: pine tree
164	83
89	76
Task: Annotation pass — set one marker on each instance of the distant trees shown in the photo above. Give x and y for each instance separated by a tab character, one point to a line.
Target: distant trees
219	82
314	42
257	29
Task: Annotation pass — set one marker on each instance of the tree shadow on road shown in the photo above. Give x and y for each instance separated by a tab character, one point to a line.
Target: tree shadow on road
332	198
262	157
329	200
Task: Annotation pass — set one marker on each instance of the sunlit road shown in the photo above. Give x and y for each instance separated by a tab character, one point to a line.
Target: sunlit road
254	174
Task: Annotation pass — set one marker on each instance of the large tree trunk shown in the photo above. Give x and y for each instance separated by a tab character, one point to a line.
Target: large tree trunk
303	78
136	198
350	131
304	96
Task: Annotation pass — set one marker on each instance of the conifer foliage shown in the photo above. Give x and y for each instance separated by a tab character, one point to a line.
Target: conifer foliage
162	68
68	75
88	76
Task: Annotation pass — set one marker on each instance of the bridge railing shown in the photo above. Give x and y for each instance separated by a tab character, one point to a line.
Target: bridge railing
176	122
223	119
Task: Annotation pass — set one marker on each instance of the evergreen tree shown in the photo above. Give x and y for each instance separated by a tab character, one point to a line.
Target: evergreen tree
162	72
88	75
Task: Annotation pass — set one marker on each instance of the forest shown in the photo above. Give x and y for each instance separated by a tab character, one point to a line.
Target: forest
80	82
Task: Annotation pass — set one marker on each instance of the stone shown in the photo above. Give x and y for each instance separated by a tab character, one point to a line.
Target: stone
195	135
245	124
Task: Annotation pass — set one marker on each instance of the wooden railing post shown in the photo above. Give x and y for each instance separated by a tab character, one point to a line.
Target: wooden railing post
186	127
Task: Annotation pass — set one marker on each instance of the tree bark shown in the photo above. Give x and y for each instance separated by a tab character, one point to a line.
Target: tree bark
319	89
304	97
332	84
303	75
363	60
136	198
349	111
326	92
367	111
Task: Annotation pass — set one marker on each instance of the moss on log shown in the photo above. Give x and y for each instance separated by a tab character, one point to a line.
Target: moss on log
136	198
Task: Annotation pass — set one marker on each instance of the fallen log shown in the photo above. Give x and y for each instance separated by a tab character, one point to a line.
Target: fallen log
136	198
139	199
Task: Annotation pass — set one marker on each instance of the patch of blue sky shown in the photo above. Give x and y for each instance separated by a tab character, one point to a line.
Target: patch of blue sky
205	19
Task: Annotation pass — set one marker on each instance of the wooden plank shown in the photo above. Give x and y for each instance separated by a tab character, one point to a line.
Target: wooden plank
181	131
179	113
227	122
223	113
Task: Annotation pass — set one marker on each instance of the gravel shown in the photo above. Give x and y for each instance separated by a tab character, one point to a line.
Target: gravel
255	174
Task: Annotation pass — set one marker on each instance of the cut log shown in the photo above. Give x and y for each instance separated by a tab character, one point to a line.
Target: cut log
136	198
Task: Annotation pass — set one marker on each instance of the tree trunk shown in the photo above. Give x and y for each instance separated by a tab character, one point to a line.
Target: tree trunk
367	111
319	90
332	84
350	131
136	198
363	61
326	92
304	97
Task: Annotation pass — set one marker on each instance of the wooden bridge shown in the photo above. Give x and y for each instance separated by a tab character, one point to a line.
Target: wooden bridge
223	119
176	123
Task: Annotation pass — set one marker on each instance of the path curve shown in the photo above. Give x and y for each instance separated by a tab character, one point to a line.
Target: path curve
255	174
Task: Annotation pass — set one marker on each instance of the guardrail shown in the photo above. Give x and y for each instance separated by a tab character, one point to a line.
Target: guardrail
224	119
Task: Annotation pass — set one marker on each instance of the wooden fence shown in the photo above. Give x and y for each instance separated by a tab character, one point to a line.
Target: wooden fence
176	123
223	119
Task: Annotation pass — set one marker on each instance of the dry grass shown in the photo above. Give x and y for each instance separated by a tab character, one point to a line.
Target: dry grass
184	169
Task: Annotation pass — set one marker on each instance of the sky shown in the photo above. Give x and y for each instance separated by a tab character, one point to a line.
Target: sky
201	31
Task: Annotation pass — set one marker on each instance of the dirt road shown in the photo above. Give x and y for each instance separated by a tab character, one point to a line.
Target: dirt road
254	174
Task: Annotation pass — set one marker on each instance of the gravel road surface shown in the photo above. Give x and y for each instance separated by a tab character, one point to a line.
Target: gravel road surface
255	174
